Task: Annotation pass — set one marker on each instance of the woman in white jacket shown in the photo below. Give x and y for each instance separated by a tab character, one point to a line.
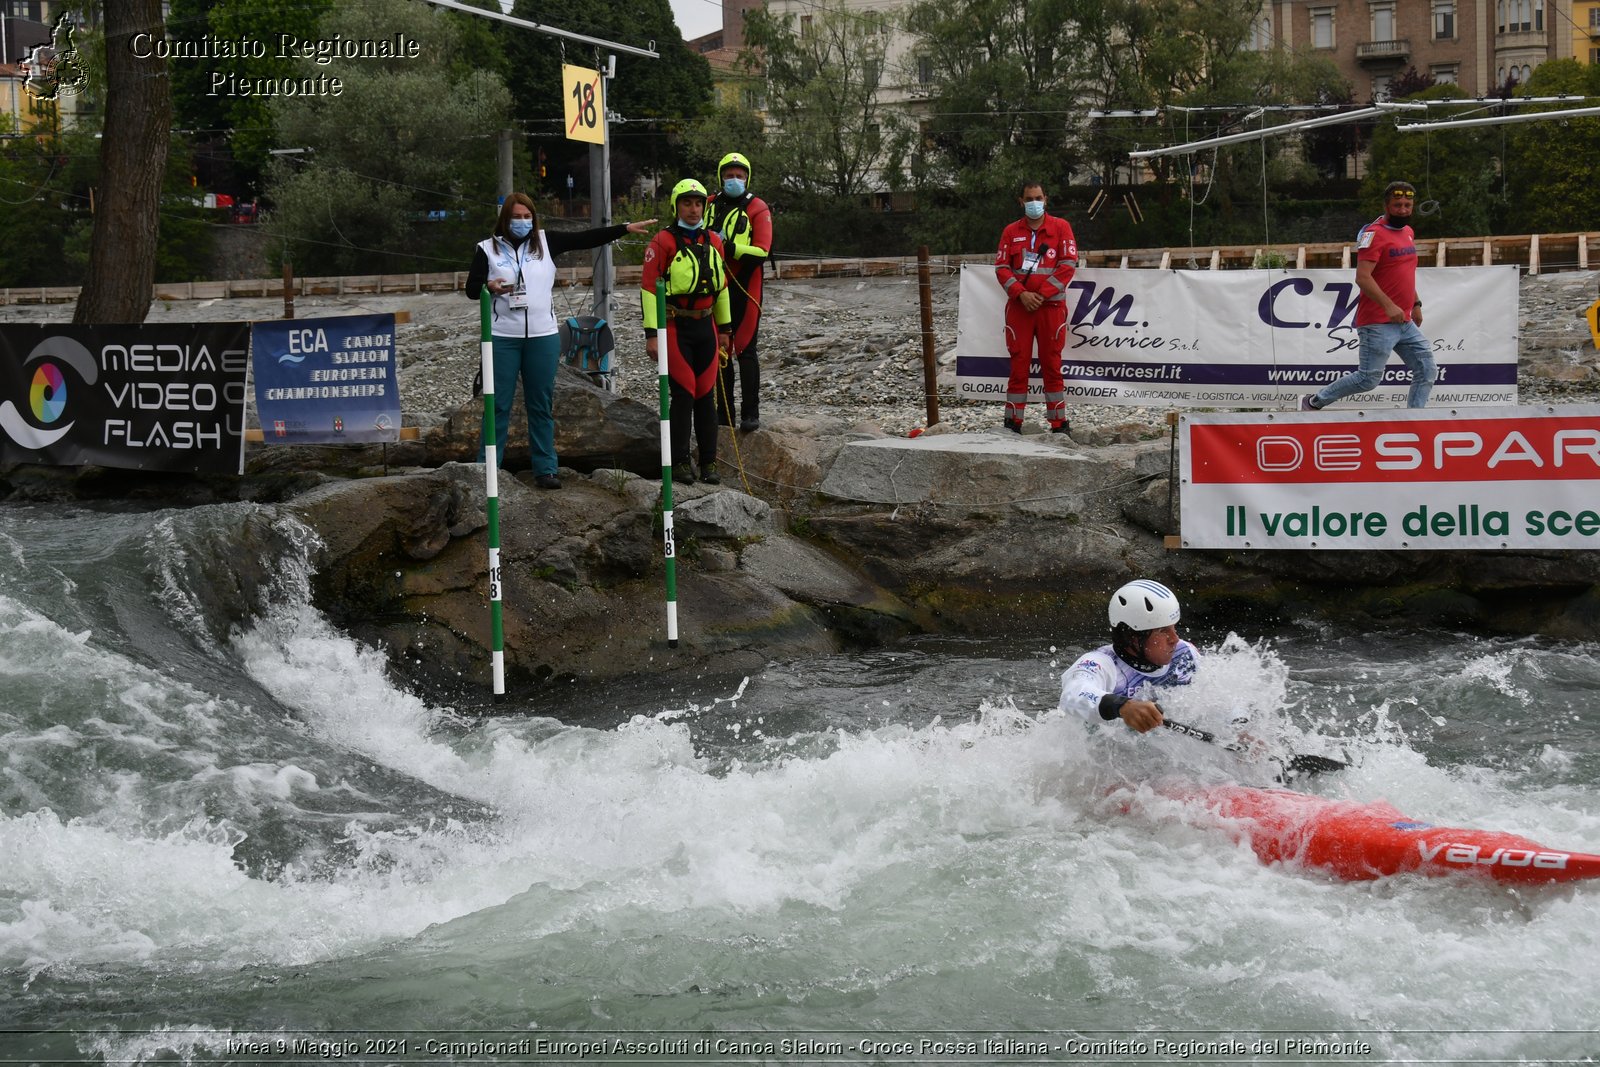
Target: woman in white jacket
517	265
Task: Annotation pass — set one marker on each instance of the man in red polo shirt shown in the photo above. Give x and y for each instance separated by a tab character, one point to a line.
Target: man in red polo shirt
1388	313
1037	257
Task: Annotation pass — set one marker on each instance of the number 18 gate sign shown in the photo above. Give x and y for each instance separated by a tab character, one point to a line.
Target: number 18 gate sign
1488	478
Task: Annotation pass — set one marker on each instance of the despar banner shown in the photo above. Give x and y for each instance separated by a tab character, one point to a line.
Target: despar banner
1244	338
159	397
1509	478
326	381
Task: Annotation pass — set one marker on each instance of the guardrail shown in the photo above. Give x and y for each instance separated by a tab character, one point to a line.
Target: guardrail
1535	253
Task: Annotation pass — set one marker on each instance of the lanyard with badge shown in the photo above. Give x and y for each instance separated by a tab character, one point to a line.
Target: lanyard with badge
517	295
1030	258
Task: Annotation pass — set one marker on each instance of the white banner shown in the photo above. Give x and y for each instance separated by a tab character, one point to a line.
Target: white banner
1503	478
1244	338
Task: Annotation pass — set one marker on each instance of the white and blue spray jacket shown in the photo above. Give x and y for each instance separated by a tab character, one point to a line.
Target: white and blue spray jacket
1102	673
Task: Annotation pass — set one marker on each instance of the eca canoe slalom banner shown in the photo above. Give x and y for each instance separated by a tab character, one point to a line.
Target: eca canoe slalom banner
1243	338
1343	478
158	397
326	381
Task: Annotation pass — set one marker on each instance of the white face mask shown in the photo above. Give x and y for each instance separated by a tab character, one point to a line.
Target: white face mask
1034	209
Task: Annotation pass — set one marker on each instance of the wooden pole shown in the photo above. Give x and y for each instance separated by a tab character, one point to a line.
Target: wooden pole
930	369
288	289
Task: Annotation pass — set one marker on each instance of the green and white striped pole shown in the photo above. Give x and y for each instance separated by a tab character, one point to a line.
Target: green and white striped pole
666	463
491	476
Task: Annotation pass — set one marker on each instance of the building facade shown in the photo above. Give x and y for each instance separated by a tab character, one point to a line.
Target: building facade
1583	38
1476	44
26	28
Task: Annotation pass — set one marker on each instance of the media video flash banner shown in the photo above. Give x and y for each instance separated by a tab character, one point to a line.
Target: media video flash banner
327	381
1479	479
1243	338
160	397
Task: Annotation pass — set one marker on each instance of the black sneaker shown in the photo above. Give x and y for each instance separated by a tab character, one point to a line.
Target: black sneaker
749	424
1309	403
709	475
1014	427
547	481
682	474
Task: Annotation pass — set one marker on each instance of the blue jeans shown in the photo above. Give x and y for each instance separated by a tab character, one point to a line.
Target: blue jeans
1377	341
534	360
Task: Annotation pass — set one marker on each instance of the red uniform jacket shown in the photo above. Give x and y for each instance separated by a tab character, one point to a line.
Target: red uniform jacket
1040	261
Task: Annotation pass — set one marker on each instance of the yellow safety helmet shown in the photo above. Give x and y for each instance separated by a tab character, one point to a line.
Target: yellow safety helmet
731	159
687	187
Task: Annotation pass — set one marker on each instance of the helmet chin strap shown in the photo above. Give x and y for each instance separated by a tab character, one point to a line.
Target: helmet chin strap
1129	645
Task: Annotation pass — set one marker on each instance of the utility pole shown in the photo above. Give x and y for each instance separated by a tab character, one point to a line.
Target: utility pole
600	201
504	182
599	154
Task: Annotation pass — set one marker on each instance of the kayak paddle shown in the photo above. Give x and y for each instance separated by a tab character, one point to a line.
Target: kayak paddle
1301	764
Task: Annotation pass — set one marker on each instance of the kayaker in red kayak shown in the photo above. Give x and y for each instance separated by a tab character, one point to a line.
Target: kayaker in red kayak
1119	680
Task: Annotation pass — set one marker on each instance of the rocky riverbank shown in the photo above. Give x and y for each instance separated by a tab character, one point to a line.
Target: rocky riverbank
812	544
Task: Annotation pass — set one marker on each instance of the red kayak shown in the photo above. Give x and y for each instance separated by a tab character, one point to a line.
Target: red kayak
1365	841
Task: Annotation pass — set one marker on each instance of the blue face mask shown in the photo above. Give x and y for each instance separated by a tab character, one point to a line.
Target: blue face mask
1034	209
520	227
692	226
733	186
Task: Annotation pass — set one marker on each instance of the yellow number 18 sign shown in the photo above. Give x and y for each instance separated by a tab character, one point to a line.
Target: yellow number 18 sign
584	90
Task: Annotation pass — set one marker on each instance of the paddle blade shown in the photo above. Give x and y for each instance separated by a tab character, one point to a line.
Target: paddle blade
1315	764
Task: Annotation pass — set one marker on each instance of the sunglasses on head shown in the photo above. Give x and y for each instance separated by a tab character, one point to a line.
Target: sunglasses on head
1403	194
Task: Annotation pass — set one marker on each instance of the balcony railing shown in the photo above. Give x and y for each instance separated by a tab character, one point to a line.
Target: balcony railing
1383	49
1520	39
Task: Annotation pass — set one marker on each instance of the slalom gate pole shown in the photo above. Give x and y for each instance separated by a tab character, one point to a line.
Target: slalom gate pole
491	477
666	464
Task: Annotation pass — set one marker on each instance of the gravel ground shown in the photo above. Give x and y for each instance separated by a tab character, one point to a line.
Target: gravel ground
851	348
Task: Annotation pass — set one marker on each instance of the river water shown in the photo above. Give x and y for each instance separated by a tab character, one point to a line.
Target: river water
226	836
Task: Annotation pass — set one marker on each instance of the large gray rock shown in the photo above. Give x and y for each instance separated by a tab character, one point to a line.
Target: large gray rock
404	565
594	429
1026	476
786	459
727	514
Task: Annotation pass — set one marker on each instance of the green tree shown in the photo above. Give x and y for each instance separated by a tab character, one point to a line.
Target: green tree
34	214
1008	82
831	136
233	130
1174	55
405	144
1456	172
656	99
1012	79
1550	164
730	129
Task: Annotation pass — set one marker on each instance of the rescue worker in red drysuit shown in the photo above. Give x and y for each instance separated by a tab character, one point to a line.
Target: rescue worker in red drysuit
745	223
698	325
1037	257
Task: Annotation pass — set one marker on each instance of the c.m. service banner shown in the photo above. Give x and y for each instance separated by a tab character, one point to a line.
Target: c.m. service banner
326	381
165	396
1244	338
1493	478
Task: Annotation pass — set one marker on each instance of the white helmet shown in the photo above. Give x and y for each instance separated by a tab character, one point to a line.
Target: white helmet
1144	605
